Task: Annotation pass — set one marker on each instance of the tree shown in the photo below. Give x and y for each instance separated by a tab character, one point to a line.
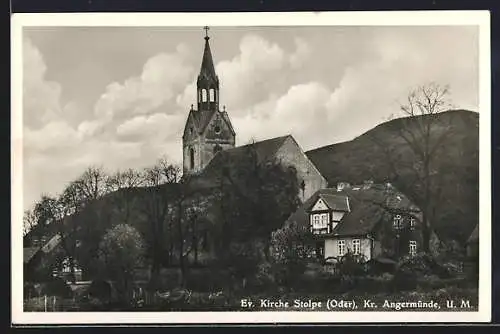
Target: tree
290	248
160	182
261	195
121	250
419	175
76	219
122	183
92	183
29	221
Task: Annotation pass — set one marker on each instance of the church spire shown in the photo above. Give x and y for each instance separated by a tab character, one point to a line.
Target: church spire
208	82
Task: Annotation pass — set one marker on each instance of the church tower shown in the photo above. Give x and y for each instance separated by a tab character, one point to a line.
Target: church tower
208	129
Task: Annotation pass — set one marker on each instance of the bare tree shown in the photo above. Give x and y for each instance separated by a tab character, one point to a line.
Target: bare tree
159	182
122	183
421	129
92	184
29	221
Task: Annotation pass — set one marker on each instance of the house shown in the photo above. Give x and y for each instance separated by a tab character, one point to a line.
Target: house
472	244
370	221
45	259
284	150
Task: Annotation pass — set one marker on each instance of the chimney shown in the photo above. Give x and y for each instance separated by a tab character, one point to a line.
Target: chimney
342	185
367	184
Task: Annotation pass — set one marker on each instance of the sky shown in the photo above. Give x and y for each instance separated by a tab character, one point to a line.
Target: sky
118	97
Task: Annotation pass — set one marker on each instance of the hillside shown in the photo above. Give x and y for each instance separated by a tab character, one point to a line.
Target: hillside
362	159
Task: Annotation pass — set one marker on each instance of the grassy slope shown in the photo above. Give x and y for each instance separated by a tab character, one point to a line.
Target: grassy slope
361	159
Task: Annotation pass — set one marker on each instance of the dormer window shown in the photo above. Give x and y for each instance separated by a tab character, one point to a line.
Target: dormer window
319	223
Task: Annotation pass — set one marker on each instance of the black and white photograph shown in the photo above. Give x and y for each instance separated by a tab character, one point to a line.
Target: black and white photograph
237	167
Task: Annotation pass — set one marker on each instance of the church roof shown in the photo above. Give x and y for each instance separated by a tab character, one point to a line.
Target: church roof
265	151
201	119
207	70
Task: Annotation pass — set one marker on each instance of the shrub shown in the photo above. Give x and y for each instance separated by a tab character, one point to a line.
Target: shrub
57	287
265	276
100	289
351	265
205	279
380	283
421	265
29	291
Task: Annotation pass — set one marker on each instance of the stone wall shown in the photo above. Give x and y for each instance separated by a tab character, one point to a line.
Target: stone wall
290	153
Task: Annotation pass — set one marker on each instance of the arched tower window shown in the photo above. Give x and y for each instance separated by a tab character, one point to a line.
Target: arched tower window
191	158
212	95
203	95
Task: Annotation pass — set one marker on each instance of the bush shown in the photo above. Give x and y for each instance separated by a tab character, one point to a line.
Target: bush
100	289
380	283
29	291
206	280
351	265
422	265
265	277
57	287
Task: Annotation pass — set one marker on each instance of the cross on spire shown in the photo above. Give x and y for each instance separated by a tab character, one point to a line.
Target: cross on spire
206	28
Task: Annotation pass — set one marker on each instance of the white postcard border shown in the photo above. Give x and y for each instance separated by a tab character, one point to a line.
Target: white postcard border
394	18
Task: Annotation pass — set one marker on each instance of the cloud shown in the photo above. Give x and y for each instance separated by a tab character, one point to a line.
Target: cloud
162	77
320	92
41	98
157	127
301	111
261	68
57	134
301	55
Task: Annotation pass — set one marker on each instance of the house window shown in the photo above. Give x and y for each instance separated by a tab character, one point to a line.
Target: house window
341	244
356	246
316	221
324	220
397	222
320	221
413	247
412	222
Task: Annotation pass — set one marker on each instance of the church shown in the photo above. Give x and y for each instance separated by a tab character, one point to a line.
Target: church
208	131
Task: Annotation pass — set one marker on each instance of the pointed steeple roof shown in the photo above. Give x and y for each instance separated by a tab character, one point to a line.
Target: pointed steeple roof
207	71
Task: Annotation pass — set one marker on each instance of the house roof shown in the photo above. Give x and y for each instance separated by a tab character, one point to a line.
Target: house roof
29	253
367	208
334	202
474	236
